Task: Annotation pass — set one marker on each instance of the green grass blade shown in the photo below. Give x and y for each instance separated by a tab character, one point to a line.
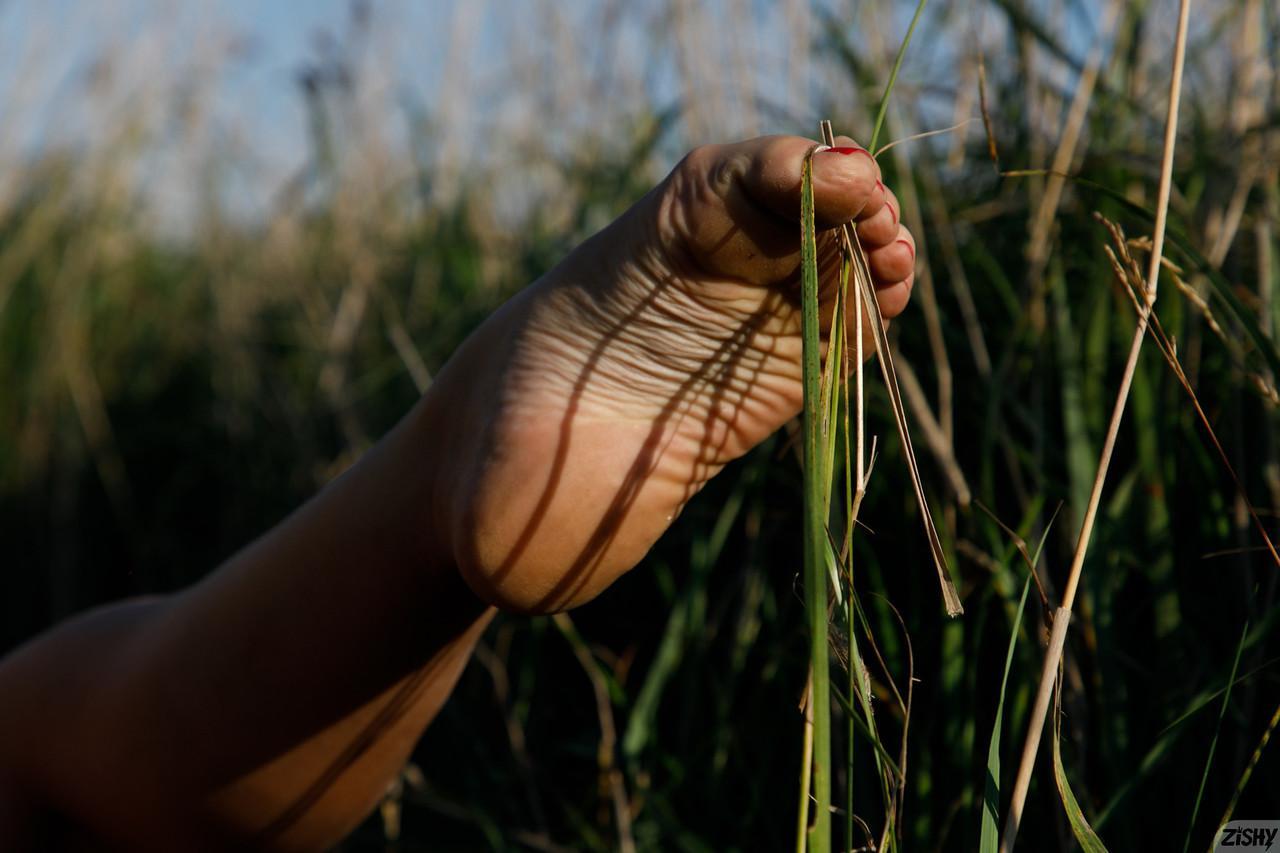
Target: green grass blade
833	565
1088	839
1166	739
1248	770
866	731
867	723
989	841
1213	744
815	544
850	754
640	721
893	77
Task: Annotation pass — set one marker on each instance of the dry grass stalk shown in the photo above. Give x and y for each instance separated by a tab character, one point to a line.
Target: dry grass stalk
910	210
1131	283
939	442
992	151
612	783
911	215
1064	155
1062	615
925	134
948	242
866	288
806	764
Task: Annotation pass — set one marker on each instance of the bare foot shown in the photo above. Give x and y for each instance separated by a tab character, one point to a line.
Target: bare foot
585	414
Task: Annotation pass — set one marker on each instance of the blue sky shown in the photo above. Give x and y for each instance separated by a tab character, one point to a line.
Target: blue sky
247	54
59	37
47	47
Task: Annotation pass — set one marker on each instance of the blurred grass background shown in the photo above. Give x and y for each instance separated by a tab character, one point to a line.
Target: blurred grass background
199	326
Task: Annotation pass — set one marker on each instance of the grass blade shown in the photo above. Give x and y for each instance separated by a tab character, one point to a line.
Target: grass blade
1088	839
815	525
1248	770
990	838
1213	744
806	770
872	738
893	77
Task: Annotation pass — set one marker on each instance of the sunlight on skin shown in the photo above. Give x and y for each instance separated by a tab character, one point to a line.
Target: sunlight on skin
660	350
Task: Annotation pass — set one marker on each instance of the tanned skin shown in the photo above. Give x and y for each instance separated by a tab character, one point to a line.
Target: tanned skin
270	705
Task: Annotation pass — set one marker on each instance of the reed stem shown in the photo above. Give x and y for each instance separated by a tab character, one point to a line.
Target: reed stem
1062	616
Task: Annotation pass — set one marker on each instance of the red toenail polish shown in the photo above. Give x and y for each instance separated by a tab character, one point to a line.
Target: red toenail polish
892	212
910	248
847	149
880	186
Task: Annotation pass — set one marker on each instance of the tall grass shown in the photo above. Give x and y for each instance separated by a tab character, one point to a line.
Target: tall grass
1062	615
166	393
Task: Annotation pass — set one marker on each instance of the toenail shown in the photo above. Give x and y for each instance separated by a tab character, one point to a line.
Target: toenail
910	248
892	211
847	149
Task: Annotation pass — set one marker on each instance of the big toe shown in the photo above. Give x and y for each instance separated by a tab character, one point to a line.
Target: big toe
737	207
846	178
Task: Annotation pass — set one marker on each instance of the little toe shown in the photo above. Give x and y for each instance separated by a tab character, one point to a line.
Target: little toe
894	298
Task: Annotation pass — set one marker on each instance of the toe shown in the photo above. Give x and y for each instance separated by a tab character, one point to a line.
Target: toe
880	228
845	178
894	298
894	261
